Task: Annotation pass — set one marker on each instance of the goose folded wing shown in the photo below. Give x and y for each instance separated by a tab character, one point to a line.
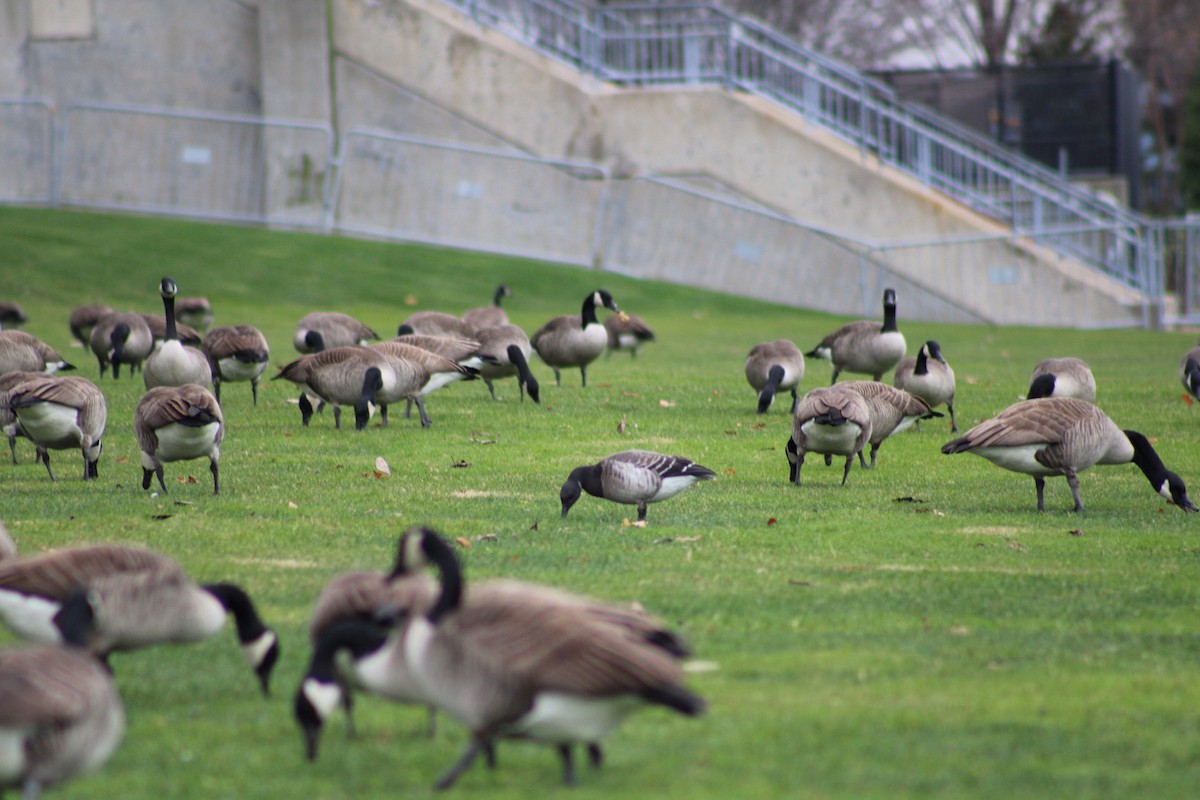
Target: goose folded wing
59	573
40	686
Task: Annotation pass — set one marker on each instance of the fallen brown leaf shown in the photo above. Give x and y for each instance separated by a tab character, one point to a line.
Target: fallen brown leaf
292	505
122	460
771	522
1075	532
666	404
621	426
1187	398
464	541
729	432
410	300
159	516
758	426
730	471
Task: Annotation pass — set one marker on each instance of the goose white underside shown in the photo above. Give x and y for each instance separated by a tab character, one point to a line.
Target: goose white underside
29	616
559	717
825	353
50	424
672	486
1017	459
181	442
905	424
439	379
233	369
627	341
13	758
831	438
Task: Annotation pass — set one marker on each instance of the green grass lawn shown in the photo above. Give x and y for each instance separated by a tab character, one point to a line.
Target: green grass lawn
920	632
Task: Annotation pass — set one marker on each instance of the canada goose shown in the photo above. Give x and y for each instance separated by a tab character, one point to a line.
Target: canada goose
418	373
236	353
930	380
299	370
505	350
11	315
115	598
831	421
172	364
1189	373
627	332
864	345
1064	436
8	419
60	716
633	477
435	323
178	423
519	665
84	318
892	410
772	366
574	341
360	377
488	316
194	311
1062	377
322	330
60	414
24	352
121	338
158	331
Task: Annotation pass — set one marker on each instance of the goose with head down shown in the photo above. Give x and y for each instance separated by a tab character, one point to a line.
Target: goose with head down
178	423
772	366
633	477
61	414
832	421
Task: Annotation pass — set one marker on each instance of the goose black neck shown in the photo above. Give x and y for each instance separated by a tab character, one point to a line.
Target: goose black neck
169	313
76	619
889	317
450	573
1147	459
235	600
922	365
359	637
588	312
1042	386
314	341
589	479
517	358
496	298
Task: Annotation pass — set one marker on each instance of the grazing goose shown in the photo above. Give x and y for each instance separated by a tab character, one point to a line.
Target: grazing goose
772	366
435	323
520	664
300	370
322	330
359	377
892	410
60	414
236	353
864	345
172	364
115	598
574	341
418	373
633	477
488	316
627	332
505	351
11	315
24	352
121	338
929	377
1064	436
8	419
1189	373
84	318
831	421
178	423
1062	377
60	717
194	311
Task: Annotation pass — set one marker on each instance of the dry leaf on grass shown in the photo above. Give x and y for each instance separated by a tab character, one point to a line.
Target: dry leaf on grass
292	505
666	404
1075	532
625	523
770	522
382	467
462	540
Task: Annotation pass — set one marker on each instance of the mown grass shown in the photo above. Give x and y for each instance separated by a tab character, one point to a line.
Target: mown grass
920	632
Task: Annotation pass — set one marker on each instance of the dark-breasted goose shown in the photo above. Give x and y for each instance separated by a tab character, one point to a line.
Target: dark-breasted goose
61	414
892	410
60	717
236	353
772	366
505	351
24	352
83	318
633	477
8	419
121	338
172	364
1189	373
435	323
116	598
418	372
178	423
194	311
831	421
488	316
11	315
574	341
322	330
865	346
929	377
528	666
1064	436
627	332
1062	377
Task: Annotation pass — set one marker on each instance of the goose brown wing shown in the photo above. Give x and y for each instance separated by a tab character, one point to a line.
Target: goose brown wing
1029	422
56	574
46	685
359	595
564	323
